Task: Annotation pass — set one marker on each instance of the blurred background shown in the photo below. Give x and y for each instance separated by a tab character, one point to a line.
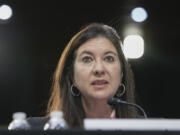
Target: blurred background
34	33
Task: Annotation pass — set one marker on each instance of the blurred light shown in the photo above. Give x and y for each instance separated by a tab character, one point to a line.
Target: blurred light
132	29
5	12
139	14
133	46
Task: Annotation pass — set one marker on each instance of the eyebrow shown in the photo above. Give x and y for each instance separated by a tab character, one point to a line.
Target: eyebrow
111	52
90	53
86	52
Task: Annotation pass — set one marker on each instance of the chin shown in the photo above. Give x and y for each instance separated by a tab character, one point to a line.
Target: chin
102	96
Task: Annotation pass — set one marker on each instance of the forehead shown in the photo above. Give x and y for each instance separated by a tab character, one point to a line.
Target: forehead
97	45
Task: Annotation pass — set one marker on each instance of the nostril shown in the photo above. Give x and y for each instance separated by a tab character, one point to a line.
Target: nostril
99	72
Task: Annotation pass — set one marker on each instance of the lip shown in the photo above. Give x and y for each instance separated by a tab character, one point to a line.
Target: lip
99	83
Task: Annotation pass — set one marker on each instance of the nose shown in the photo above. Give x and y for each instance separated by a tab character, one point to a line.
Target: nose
98	69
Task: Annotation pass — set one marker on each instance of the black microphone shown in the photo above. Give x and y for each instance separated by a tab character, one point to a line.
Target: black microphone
117	101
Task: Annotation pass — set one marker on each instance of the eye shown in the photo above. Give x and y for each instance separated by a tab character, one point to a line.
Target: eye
109	59
87	59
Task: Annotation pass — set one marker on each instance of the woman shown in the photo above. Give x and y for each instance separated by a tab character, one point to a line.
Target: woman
92	69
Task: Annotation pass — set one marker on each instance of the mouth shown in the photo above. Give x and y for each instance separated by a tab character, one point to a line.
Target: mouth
99	83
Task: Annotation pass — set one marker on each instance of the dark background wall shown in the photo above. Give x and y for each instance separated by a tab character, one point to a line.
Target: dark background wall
31	43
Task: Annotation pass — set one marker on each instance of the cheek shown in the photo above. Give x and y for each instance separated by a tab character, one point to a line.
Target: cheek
80	75
116	75
117	78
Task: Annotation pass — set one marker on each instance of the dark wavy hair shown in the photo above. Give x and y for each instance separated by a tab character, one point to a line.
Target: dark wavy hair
61	97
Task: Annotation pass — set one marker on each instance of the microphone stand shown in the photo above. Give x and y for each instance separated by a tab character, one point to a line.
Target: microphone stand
115	101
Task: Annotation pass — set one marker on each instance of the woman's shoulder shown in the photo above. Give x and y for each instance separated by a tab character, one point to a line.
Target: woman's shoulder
37	122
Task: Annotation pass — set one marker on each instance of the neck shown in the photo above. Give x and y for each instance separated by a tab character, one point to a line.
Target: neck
96	108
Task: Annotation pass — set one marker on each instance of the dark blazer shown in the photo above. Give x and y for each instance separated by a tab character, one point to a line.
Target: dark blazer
37	122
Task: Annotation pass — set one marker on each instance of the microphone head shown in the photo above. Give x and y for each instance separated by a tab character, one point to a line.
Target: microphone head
112	101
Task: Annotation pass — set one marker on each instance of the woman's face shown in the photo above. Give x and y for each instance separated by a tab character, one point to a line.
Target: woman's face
97	70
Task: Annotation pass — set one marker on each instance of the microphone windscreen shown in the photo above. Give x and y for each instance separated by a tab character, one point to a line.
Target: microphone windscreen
111	101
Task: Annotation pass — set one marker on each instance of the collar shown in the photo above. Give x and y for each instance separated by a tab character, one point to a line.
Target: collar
113	114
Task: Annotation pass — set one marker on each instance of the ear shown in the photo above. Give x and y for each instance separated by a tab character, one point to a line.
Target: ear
122	75
73	80
71	77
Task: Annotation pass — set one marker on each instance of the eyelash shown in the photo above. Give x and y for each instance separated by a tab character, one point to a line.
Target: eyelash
109	59
88	59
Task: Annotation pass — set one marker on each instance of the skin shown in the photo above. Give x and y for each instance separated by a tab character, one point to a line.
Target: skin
97	59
